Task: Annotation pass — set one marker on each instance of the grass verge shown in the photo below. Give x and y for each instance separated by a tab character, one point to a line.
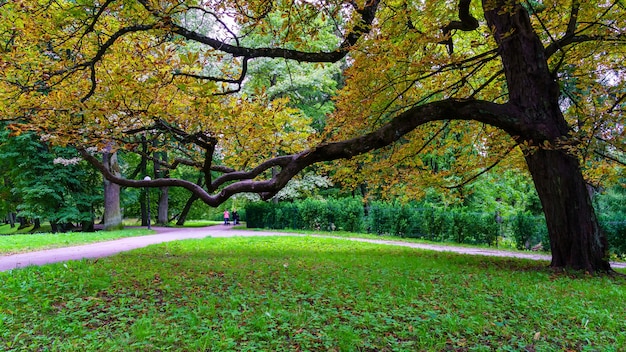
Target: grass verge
6	229
347	234
29	242
287	294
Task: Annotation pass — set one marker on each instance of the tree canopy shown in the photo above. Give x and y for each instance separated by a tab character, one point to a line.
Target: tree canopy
445	90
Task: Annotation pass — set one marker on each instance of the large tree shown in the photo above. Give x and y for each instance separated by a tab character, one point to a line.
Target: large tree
540	81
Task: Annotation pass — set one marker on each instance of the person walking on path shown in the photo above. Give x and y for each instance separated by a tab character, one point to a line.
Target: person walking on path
235	217
226	217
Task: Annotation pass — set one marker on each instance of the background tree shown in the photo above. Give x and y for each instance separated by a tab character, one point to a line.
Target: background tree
49	183
419	77
112	206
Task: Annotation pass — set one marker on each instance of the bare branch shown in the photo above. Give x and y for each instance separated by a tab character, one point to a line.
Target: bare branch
573	18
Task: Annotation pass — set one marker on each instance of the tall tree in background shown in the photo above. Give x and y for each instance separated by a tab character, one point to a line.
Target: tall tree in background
419	77
112	206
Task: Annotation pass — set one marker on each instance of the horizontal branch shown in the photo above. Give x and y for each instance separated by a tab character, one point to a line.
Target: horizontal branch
501	116
367	13
563	42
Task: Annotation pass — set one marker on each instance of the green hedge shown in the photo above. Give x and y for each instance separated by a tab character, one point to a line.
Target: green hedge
312	214
454	224
403	220
614	228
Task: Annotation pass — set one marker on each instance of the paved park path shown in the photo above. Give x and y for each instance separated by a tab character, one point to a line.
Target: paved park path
166	234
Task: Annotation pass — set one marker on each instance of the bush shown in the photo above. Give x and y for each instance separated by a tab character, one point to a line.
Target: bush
348	214
403	220
309	214
614	228
529	230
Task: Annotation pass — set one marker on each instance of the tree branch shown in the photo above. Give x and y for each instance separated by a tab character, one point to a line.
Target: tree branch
557	45
467	23
367	13
501	116
482	172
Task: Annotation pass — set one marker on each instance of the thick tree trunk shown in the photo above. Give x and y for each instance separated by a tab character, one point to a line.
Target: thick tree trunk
575	237
143	171
162	217
159	172
112	209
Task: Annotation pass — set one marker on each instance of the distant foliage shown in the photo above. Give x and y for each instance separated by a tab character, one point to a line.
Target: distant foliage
529	230
614	228
312	214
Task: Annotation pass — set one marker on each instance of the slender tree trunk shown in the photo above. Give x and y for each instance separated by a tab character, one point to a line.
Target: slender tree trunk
144	207
163	207
183	215
143	169
22	221
12	217
112	209
162	215
159	172
575	237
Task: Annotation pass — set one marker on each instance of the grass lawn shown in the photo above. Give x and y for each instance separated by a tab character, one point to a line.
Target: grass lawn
20	243
6	229
188	223
305	293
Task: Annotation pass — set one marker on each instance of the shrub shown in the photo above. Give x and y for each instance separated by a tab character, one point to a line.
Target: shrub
529	230
614	228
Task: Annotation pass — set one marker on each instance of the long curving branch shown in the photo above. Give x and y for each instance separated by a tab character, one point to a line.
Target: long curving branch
503	116
367	13
367	16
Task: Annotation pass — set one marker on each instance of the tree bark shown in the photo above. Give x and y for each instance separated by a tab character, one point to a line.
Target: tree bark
12	218
159	172
112	209
575	237
162	215
143	170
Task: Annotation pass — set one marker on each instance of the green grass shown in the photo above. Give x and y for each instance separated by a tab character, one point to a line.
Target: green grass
188	223
6	229
309	294
20	243
199	223
347	234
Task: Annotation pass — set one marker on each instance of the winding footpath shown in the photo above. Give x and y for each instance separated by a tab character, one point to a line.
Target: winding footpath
165	234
